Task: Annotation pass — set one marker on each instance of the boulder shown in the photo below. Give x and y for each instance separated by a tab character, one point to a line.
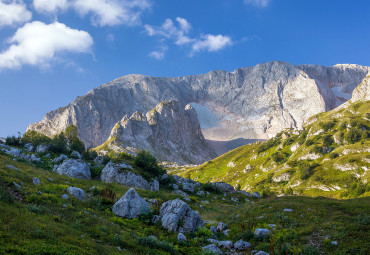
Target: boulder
256	195
212	248
241	245
42	148
261	253
60	158
116	173
201	193
181	237
176	215
180	192
76	154
65	196
156	219
213	229
262	232
131	205
221	227
77	193
13	151
224	187
245	193
99	160
34	158
36	181
75	168
29	147
288	210
225	244
12	167
188	187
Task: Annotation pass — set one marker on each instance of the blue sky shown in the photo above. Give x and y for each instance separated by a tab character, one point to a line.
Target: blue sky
54	50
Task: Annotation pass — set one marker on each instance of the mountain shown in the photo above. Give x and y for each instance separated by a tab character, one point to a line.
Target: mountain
168	131
330	157
248	103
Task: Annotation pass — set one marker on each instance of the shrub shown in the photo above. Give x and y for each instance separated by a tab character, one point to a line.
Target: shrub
279	157
353	136
333	155
203	232
210	187
306	170
356	189
343	126
13	141
309	142
5	195
148	163
35	138
96	171
288	191
267	145
75	144
301	139
90	155
317	149
365	135
327	140
327	125
59	143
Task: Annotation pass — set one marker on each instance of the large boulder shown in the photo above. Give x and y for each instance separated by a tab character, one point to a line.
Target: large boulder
116	173
42	148
75	168
262	232
178	216
77	193
212	248
224	187
130	205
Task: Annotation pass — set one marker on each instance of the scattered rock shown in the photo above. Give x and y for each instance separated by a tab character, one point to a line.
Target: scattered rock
34	158
76	154
75	168
224	187
221	227
181	237
262	232
51	179
334	243
116	173
42	148
245	193
180	192
131	205
13	151
261	253
99	160
247	169
65	196
188	187
200	193
175	211
231	164
175	187
234	199
36	181
77	193
288	210
241	245
226	232
213	240
60	158
212	248
213	229
256	195
12	167
156	219
29	147
17	185
282	177
225	244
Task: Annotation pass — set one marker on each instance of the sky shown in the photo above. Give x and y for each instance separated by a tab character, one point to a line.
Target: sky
52	51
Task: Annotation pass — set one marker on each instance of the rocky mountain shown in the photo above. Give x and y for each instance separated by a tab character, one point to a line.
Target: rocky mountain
168	131
250	103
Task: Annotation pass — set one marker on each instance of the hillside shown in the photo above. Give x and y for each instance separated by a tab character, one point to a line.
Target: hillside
36	219
330	157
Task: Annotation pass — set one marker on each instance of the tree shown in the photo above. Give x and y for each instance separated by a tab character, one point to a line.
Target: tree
148	163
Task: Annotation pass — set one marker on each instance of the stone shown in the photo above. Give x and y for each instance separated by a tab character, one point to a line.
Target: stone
76	154
181	237
181	193
362	91
131	205
17	185
234	199
188	187
225	244
334	243
245	193
221	227
200	193
51	179
288	210
226	232
212	248
75	168
213	240
175	211
34	158
224	187
65	196
262	232
42	148
261	253
77	193
115	173
60	158
241	245
99	160
213	229
175	187
156	219
13	151
36	181
282	177
256	195
12	167
29	147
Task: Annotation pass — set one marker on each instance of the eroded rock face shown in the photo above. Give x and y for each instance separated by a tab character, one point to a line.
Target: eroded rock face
177	216
130	205
168	131
116	173
362	92
252	102
75	168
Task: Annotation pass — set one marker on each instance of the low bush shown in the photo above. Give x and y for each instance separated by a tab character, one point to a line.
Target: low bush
327	125
148	163
210	187
353	135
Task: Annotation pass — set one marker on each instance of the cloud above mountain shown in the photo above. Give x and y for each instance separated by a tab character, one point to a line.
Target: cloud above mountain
13	13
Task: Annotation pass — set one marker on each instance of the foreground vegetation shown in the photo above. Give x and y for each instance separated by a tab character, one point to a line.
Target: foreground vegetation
330	157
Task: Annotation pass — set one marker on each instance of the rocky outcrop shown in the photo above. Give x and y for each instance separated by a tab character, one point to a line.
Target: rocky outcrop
77	193
362	91
130	205
75	168
177	216
251	102
168	131
116	173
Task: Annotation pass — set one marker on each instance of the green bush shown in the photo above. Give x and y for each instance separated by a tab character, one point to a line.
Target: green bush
327	140
267	145
279	157
327	125
148	163
353	135
75	144
5	195
210	187
59	143
288	191
309	142
35	138
317	149
333	155
343	125
13	141
96	171
301	139
306	170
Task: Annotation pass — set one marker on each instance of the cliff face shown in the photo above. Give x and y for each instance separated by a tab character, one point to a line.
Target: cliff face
168	131
362	92
252	102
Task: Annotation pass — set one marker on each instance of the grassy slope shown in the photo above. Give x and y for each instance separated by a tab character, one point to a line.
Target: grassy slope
324	179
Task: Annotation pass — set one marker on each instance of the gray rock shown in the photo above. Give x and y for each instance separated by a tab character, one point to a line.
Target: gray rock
36	181
225	244
188	187
362	91
13	151
224	187
176	211
213	229
2	139
181	193
47	155
334	243
29	147
213	240
17	185
42	148
115	173
235	199
60	158
131	205
181	237
245	193
99	160
65	196
261	253
288	210
76	154
256	195
221	227
200	193
175	187
34	158
12	167
262	232
212	248
241	245
75	168
156	219
51	179
77	193
226	232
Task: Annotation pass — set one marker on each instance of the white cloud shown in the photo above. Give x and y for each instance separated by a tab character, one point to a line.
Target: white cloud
112	12
50	6
13	13
261	3
38	44
179	36
159	54
212	43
